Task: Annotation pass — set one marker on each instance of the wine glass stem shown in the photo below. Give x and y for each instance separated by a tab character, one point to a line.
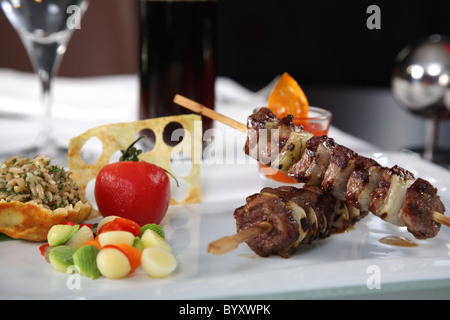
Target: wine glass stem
46	123
431	138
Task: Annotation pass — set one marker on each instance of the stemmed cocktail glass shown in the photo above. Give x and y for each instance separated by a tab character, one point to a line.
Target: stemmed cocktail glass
45	27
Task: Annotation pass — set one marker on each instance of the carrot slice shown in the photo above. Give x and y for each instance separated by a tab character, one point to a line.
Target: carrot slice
121	224
94	243
133	254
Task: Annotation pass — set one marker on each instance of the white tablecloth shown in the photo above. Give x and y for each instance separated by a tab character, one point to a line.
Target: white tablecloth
82	103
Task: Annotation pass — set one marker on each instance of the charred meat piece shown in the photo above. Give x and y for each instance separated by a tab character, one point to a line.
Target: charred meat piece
322	204
266	207
314	161
341	166
256	123
417	212
258	119
304	215
285	127
362	182
389	196
299	216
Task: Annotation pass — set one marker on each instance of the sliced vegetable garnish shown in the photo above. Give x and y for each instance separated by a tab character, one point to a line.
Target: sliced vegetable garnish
86	259
61	257
115	237
151	239
155	227
113	263
122	224
133	254
114	253
60	233
157	262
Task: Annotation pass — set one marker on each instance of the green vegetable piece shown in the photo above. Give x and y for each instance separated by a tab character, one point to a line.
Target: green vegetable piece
155	227
60	233
137	243
86	259
61	257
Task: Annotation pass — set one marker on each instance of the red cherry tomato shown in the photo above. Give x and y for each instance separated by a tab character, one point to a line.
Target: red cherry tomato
135	190
121	224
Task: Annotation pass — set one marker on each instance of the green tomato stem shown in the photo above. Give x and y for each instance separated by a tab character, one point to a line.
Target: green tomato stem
131	153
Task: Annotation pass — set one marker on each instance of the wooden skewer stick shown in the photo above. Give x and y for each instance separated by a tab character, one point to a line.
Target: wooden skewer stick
207	112
227	244
201	109
443	219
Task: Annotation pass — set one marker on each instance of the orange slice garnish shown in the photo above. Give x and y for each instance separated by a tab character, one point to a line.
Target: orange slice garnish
288	98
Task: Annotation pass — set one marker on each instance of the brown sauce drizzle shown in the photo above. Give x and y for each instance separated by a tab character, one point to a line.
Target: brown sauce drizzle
398	241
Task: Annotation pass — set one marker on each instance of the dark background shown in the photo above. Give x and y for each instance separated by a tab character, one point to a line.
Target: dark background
318	42
321	42
325	45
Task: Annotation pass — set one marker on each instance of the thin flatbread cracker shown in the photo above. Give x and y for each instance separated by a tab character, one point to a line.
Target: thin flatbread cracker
116	137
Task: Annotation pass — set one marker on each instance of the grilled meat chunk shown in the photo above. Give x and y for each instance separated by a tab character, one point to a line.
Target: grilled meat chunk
322	204
417	212
266	207
362	182
256	123
341	166
314	161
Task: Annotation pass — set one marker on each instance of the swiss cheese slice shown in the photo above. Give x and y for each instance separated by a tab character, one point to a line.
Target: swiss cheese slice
116	137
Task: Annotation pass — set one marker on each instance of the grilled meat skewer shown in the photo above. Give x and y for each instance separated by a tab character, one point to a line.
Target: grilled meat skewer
361	181
298	216
319	161
280	220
